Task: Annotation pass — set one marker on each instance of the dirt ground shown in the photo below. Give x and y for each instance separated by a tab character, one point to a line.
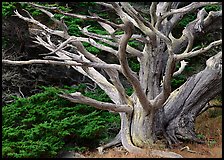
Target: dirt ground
208	126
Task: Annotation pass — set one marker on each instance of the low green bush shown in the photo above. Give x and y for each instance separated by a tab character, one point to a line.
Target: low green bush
7	8
41	125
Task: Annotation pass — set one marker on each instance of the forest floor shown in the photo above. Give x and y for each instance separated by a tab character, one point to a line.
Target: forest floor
208	126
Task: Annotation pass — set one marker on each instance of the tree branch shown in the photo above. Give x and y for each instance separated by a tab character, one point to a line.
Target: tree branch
190	31
166	86
138	18
130	49
105	4
153	13
125	16
90	72
181	69
128	28
84	17
49	14
65	63
187	8
197	52
79	98
32	20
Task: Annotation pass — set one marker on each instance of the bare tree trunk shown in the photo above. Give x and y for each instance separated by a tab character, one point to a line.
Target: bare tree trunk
177	118
141	119
153	108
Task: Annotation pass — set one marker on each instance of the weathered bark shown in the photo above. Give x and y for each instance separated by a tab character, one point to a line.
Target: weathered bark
177	118
141	119
153	109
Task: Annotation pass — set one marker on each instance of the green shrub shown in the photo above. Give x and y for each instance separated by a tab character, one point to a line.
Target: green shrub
178	81
212	8
134	64
41	125
7	8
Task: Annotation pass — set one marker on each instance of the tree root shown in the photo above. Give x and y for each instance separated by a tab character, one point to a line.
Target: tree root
188	149
132	149
174	135
115	141
164	154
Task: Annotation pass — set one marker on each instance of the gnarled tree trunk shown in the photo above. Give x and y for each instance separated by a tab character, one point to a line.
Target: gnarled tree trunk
153	109
177	118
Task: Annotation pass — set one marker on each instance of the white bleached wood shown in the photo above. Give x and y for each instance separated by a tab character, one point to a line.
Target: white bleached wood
77	97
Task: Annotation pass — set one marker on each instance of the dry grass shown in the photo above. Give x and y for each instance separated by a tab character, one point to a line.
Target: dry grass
207	126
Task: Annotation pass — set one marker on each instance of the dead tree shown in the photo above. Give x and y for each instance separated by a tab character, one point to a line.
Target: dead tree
153	108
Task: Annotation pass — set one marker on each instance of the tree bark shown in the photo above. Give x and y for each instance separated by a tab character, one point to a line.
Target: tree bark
153	109
177	118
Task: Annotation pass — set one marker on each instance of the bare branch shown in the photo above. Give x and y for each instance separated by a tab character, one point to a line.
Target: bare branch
90	72
187	8
60	23
181	69
197	25
128	28
102	38
190	38
113	74
198	52
151	33
130	49
191	31
211	15
107	27
84	17
162	8
174	5
79	98
88	40
138	19
125	16
32	20
153	13
105	4
66	63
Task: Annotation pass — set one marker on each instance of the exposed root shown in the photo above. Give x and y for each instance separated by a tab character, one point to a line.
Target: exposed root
187	132
115	141
187	149
181	129
171	138
164	154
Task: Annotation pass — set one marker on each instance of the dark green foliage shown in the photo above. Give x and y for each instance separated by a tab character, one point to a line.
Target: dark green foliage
91	48
7	8
134	64
34	12
41	125
95	29
212	8
129	91
178	81
186	19
135	44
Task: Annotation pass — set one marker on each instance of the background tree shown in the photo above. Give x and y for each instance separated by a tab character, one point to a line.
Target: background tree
153	109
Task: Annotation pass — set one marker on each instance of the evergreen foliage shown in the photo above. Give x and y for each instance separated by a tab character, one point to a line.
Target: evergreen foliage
41	125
